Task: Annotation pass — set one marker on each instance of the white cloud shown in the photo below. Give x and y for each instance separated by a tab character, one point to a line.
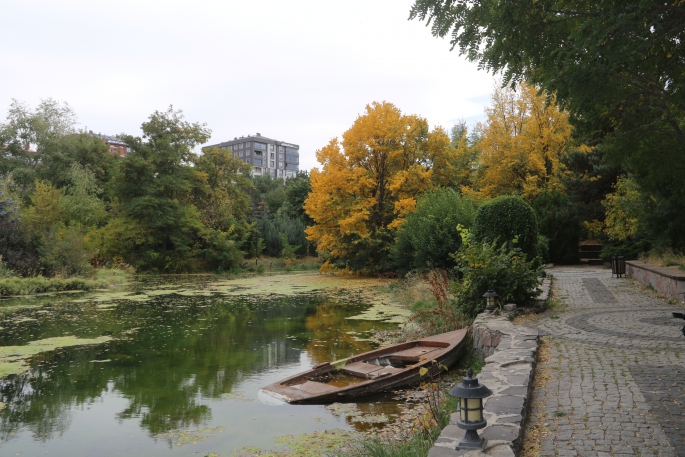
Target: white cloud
298	71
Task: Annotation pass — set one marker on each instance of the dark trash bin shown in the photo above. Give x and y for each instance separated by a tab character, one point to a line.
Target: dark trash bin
618	265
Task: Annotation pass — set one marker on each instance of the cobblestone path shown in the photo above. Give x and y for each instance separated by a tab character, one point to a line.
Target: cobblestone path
616	367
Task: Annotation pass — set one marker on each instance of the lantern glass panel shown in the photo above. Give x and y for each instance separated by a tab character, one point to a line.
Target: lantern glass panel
462	402
474	406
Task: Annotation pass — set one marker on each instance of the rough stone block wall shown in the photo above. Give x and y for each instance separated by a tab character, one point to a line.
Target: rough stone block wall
509	368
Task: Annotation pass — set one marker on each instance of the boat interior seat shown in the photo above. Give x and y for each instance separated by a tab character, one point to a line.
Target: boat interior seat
361	369
412	354
385	371
314	387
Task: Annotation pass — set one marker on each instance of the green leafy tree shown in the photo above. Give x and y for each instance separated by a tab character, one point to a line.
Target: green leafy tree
88	151
289	250
223	199
557	221
17	251
31	140
624	211
157	225
61	242
615	66
81	201
587	179
297	190
429	235
273	231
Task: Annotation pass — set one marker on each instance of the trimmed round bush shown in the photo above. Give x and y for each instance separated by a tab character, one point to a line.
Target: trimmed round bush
429	235
508	219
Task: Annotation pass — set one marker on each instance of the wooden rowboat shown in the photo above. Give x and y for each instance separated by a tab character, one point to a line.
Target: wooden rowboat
374	371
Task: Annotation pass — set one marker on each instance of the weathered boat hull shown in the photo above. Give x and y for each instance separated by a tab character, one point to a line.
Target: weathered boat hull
377	370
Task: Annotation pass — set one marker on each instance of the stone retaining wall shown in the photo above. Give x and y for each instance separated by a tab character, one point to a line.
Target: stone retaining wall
668	281
509	368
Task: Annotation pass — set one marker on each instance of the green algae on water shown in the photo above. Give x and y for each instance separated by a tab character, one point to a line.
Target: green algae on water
384	312
184	437
351	411
290	284
316	444
13	358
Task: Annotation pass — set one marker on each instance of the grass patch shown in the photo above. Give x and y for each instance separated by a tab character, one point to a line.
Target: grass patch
40	284
664	258
112	275
560	414
266	264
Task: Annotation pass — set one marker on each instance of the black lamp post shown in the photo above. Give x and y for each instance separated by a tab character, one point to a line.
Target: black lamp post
471	394
489	297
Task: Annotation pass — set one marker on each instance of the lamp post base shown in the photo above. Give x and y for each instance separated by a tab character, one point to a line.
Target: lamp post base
471	440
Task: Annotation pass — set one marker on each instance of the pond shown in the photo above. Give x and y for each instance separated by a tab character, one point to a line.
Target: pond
173	367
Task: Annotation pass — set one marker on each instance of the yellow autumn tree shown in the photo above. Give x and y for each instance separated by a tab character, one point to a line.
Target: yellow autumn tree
521	144
368	183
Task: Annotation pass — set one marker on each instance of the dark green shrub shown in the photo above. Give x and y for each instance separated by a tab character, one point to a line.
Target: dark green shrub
429	235
631	250
558	222
510	220
543	248
490	265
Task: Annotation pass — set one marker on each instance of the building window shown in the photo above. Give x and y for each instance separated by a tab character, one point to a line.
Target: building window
247	145
273	164
290	174
290	166
280	149
247	160
240	153
257	161
280	164
272	147
240	146
272	155
291	150
292	159
261	146
258	153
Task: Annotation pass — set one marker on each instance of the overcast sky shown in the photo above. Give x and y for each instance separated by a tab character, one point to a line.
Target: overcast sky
296	71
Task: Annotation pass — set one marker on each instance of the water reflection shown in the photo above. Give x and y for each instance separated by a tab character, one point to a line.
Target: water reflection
170	362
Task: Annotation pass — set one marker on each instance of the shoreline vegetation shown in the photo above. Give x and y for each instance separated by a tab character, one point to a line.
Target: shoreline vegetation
12	286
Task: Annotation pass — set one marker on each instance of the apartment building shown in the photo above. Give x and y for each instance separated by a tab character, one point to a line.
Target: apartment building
266	155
